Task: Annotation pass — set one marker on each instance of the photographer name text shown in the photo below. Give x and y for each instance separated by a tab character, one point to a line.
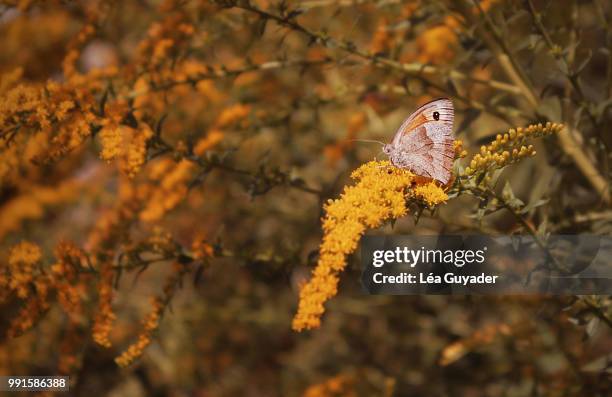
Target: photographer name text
413	257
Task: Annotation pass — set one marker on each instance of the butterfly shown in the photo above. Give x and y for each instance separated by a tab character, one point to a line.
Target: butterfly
423	143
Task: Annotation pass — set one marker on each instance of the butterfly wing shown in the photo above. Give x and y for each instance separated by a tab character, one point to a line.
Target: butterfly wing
424	142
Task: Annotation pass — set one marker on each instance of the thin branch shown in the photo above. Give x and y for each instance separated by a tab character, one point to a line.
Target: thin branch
310	4
566	140
414	69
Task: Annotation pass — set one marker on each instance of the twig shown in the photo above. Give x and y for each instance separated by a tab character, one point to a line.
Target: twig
414	69
310	4
567	142
586	218
598	312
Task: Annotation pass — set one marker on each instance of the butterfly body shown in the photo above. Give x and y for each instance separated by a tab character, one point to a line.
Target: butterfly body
424	142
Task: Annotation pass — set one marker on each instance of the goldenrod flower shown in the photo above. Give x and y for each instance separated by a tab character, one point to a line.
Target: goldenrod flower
27	280
64	278
379	195
111	141
509	147
127	144
150	323
21	271
105	317
459	151
173	179
29	314
430	193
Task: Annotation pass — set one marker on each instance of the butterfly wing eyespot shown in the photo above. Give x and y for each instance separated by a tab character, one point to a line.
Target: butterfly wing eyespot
444	109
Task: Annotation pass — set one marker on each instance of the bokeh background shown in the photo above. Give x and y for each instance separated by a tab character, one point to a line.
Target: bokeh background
164	166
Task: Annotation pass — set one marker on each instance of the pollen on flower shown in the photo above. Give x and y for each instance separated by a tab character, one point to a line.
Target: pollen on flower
380	194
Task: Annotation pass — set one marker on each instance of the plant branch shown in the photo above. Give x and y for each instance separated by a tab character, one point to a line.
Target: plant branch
566	140
413	69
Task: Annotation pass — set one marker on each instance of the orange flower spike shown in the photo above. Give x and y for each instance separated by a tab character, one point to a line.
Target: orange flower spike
105	316
150	324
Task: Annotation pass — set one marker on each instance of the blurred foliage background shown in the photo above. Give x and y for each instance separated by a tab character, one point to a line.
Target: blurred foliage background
164	165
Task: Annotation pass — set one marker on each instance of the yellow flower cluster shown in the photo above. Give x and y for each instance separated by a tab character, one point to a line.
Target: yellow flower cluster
228	116
50	109
105	317
65	279
164	38
111	141
458	147
379	195
29	314
127	144
23	259
429	193
172	178
25	278
151	323
509	147
69	64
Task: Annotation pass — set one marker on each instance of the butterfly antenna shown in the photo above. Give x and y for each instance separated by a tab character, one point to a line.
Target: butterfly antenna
367	141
